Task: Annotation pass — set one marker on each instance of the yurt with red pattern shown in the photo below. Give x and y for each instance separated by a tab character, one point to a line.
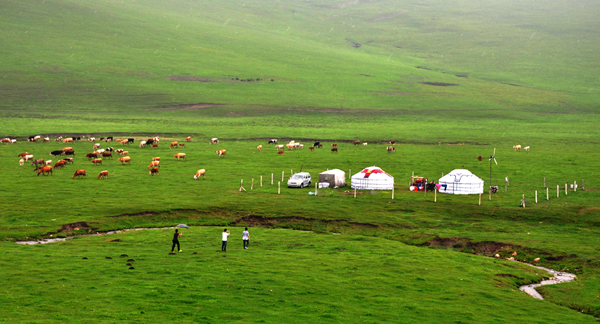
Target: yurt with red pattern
372	178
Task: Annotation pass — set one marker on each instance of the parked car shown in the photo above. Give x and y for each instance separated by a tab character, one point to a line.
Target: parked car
300	180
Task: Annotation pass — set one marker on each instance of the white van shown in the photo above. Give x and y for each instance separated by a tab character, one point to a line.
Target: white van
300	180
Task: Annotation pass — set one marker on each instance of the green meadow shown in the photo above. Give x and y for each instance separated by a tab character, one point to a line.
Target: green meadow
449	81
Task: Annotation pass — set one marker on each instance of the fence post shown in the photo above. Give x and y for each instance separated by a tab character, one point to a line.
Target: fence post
536	196
575	186
557	191
354	192
252	184
479	199
392	193
282	173
435	195
261	181
547	194
271	178
523	201
316	188
566	193
278	187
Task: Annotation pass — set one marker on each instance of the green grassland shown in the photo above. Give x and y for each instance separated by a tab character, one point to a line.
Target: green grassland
500	73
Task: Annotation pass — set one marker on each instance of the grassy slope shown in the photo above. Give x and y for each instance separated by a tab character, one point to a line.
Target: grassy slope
289	277
102	67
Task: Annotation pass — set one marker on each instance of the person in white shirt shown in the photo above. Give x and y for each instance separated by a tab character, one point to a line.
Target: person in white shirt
246	238
224	246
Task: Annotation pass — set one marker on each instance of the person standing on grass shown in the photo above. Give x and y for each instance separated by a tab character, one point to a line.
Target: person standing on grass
246	238
224	246
176	241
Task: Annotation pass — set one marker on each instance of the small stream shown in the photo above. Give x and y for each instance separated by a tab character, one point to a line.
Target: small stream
557	276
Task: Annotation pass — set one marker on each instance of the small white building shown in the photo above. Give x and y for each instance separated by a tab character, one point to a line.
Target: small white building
334	178
372	178
460	182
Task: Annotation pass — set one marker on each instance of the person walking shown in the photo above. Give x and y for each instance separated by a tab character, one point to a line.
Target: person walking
224	245
246	238
176	241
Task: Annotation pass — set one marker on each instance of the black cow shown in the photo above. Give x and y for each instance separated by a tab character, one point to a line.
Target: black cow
102	138
55	153
150	141
272	141
110	149
110	138
70	153
77	139
316	144
130	140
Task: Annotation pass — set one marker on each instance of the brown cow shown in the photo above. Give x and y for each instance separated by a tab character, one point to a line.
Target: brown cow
96	161
179	155
312	148
124	142
107	154
181	144
119	151
320	146
5	140
199	173
65	149
189	138
173	144
38	161
79	173
44	170
103	174
259	148
68	140
391	149
154	145
154	171
58	139
392	142
334	144
125	159
68	160
23	154
281	152
154	164
156	159
91	155
60	164
356	142
124	153
334	150
221	152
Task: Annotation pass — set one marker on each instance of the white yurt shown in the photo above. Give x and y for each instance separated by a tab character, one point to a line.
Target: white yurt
372	178
460	182
332	178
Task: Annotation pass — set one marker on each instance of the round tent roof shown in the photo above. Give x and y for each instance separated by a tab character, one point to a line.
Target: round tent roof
372	178
461	182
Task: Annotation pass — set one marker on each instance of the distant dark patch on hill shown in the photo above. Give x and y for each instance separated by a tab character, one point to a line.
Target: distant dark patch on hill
440	84
367	75
386	16
210	80
462	75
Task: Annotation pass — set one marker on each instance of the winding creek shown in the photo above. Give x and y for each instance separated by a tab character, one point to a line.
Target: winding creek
556	278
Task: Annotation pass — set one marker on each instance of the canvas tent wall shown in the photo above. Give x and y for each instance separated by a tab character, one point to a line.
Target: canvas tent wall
372	178
335	178
460	182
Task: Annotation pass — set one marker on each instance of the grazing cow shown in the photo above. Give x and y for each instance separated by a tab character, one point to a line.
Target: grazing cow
45	170
272	141
259	148
334	145
119	151
5	140
13	141
526	148
91	155
365	143
391	149
279	147
320	146
181	144
214	140
21	162
103	174
125	159
221	152
173	144
154	145
130	140
97	145
312	148
60	164
124	153
300	146
154	171
77	138
179	155
58	139
107	154
317	144
334	150
92	139
68	160
154	164
156	159
28	157
46	139
188	139
79	173
48	162
71	152
64	149
281	153
150	141
142	144
108	139
38	161
58	152
110	149
356	142
34	138
96	161
517	147
290	146
124	142
392	142
67	140
200	173
23	154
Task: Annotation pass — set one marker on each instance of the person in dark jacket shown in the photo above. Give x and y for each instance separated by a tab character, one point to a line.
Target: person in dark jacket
176	241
